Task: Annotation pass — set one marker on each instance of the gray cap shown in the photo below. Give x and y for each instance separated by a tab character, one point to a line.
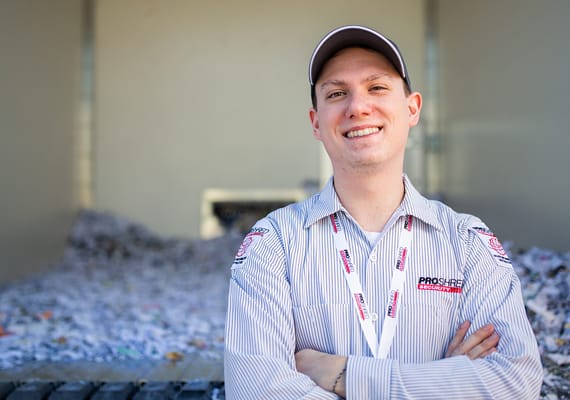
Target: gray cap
355	36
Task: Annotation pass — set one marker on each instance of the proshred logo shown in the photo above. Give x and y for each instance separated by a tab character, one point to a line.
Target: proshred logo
401	263
495	247
393	304
252	235
348	266
335	222
446	285
361	305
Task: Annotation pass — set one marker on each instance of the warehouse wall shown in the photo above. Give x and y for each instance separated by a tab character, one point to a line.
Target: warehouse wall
195	95
39	81
504	115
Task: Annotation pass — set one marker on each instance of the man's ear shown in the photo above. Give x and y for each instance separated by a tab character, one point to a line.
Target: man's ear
313	116
414	108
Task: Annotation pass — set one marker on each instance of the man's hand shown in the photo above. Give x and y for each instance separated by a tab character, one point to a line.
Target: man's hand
323	369
479	345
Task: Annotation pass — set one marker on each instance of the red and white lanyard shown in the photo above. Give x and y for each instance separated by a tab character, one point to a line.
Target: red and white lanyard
382	348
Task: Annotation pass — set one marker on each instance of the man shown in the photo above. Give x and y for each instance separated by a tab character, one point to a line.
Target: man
367	289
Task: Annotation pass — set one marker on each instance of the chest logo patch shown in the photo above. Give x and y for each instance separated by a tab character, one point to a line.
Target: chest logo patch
446	285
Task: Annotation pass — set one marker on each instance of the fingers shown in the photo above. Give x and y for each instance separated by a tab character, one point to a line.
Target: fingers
480	341
457	339
480	344
486	347
485	354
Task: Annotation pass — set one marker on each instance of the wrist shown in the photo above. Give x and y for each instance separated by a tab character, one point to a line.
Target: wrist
339	379
339	383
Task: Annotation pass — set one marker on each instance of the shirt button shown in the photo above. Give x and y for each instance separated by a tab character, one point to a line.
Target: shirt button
374	316
373	257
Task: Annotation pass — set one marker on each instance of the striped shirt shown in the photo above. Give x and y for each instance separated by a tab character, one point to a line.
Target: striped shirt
288	293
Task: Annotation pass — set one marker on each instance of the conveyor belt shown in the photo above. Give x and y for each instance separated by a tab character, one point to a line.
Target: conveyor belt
89	390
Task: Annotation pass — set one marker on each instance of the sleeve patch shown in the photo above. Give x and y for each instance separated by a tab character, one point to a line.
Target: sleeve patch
493	245
253	236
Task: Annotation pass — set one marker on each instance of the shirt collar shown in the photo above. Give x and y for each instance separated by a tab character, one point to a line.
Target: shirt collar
417	205
326	204
413	203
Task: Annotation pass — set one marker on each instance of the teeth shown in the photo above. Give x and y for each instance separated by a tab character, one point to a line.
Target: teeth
362	132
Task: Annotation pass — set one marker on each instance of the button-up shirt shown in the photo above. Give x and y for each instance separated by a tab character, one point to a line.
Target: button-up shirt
288	293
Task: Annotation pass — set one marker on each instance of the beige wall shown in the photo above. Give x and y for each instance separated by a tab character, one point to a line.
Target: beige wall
504	75
39	72
193	95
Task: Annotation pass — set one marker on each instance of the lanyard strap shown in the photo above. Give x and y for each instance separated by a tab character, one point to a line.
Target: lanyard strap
379	350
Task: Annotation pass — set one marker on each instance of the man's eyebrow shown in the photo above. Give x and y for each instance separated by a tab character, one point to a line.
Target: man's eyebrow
376	76
332	82
340	82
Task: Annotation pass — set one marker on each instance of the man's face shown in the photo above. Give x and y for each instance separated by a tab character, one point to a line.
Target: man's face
363	114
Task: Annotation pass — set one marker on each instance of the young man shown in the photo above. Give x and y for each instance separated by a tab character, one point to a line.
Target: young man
367	289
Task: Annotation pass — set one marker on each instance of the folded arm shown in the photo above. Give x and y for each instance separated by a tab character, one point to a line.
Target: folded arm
329	370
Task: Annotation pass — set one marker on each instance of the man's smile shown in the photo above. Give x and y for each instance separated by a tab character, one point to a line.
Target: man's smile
362	132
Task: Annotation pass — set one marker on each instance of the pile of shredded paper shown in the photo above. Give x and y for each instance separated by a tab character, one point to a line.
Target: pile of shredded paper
122	292
545	280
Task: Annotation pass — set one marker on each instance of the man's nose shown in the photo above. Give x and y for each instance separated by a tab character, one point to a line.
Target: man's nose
358	104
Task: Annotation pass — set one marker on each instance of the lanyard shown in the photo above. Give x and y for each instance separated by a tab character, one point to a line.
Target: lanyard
379	350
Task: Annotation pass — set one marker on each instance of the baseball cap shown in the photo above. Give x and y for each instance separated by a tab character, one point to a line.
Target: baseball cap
355	36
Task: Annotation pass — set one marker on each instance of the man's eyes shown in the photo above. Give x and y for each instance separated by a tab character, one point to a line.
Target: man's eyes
335	94
377	88
339	93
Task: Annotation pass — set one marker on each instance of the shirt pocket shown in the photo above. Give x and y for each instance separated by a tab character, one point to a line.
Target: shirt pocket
424	331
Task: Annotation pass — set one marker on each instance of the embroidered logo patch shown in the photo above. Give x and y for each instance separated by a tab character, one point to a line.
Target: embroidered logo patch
253	235
493	245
